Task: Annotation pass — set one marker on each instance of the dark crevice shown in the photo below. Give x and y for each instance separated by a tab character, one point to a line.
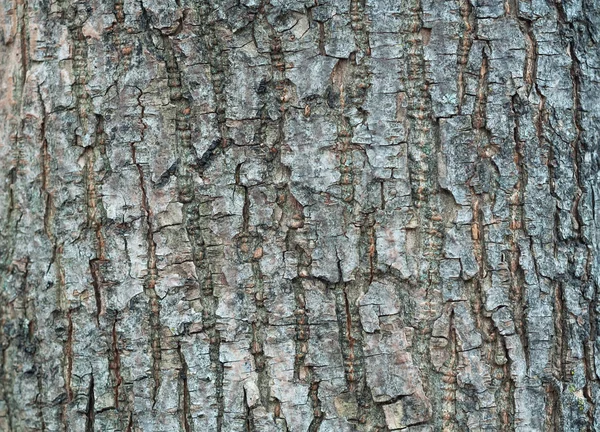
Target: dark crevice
130	423
516	226
94	265
318	414
346	339
560	328
69	357
248	420
184	391
553	420
90	409
115	363
302	330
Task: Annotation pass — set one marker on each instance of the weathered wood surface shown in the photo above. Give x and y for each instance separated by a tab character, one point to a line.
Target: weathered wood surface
286	215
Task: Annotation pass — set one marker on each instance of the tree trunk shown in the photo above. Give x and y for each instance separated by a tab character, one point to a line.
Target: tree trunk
299	215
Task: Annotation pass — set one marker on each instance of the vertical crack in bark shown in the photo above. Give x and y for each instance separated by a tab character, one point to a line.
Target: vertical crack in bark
22	23
220	370
301	371
321	38
494	342
561	347
350	80
90	409
150	282
184	392
345	334
33	348
573	34
421	150
261	320
218	61
217	57
94	216
94	265
14	346
369	232
49	209
4	387
344	136
257	350
11	221
570	290
248	421
553	421
250	250
115	363
479	116
516	226
72	14
422	160
464	46
576	143
359	24
351	341
24	43
130	423
315	424
531	47
45	171
194	224
48	222
117	29
350	337
589	355
90	136
271	132
69	356
506	395
448	386
118	11
246	206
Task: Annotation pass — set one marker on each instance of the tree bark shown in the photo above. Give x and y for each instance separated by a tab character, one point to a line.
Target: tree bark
299	215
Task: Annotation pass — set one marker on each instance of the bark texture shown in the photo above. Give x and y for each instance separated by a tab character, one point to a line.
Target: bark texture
299	215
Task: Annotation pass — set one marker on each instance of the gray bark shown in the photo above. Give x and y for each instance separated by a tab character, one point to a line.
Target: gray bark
299	215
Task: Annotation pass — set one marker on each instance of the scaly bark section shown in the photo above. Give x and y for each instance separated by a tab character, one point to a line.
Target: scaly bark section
312	199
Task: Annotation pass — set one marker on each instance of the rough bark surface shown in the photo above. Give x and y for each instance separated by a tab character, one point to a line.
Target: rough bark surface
299	215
